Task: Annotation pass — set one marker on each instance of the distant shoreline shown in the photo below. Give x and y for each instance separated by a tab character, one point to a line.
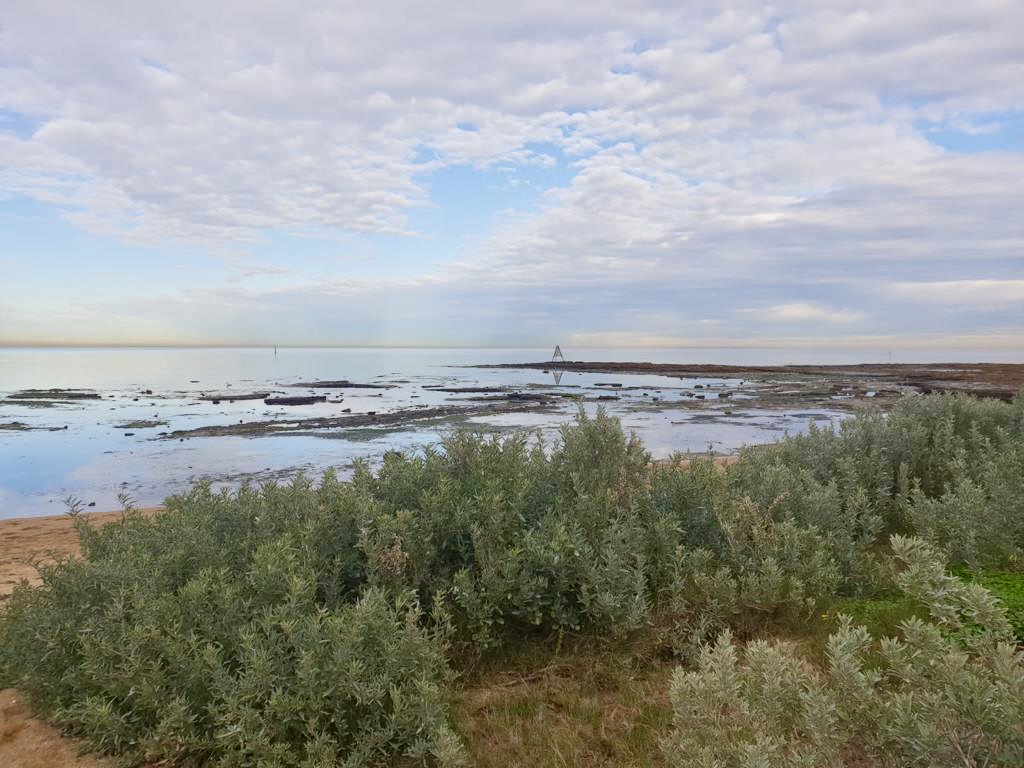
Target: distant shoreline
998	380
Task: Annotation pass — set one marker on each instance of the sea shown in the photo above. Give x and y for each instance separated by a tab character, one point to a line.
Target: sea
93	451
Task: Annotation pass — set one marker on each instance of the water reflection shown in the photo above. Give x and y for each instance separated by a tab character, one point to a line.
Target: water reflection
119	442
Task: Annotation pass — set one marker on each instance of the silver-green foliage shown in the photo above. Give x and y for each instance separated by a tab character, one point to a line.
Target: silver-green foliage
504	536
948	468
229	631
311	624
766	572
947	692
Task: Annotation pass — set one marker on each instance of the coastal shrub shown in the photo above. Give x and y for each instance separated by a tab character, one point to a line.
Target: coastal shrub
949	468
254	652
316	623
506	536
840	511
979	519
678	510
946	692
767	572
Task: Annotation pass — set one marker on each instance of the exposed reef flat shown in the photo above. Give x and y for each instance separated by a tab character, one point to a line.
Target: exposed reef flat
999	380
20	426
45	398
340	384
298	400
141	424
350	421
55	394
233	396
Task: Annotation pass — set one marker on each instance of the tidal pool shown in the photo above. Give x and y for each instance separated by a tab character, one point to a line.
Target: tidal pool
125	441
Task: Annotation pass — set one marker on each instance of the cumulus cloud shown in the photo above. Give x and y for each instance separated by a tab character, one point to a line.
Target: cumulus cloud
713	160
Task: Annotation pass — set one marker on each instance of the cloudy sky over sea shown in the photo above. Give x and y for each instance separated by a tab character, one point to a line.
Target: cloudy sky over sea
595	173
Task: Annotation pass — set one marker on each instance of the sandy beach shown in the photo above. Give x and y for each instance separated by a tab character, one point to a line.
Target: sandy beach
24	538
28	537
24	741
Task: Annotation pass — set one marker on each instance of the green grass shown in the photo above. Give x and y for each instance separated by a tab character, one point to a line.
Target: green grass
1009	588
882	616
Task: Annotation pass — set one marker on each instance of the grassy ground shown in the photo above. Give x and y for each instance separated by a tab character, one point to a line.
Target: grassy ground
1009	588
584	704
606	703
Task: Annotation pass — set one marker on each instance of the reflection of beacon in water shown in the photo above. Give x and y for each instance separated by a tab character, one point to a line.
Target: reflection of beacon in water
556	357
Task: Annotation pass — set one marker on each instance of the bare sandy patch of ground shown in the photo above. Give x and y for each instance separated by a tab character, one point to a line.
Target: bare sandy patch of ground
49	538
29	743
26	742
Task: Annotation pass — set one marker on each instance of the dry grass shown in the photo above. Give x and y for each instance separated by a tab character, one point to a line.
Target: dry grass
595	704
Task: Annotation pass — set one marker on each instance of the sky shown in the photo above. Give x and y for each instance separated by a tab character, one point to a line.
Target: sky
801	174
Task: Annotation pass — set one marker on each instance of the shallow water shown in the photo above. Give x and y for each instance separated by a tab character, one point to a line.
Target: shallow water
93	458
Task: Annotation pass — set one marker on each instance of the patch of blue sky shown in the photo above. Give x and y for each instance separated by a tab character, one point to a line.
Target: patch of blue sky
19	124
34	233
464	205
1003	131
465	201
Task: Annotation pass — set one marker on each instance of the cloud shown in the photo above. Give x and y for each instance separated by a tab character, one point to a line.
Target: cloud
707	161
241	271
802	312
952	293
1009	341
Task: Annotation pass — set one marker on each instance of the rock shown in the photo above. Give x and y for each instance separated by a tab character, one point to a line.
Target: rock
520	396
340	384
236	396
54	394
297	400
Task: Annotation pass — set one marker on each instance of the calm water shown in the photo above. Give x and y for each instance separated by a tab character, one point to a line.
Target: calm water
93	458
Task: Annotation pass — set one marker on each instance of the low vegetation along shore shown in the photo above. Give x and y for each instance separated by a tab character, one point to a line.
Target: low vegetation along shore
844	598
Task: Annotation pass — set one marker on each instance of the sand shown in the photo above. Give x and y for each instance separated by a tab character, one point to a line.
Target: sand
26	742
28	537
29	743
